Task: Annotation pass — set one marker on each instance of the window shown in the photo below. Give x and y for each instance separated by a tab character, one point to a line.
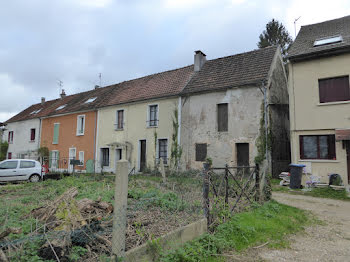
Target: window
56	131
35	111
80	125
222	118
90	100
32	134
120	120
27	164
163	150
328	40
104	157
9	165
54	158
334	89
9	155
317	147
153	115
10	137
81	158
201	152
61	107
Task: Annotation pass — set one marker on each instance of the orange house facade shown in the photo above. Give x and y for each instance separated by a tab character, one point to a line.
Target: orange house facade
70	137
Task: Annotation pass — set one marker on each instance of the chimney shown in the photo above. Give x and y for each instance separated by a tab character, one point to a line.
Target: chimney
97	86
63	94
199	60
42	100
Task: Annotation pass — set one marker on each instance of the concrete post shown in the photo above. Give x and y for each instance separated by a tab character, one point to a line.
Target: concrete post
162	169
119	220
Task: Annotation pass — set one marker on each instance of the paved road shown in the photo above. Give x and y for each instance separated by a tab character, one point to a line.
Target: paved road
329	241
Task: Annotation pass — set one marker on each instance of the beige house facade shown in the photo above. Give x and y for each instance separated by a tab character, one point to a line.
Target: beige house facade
130	132
320	100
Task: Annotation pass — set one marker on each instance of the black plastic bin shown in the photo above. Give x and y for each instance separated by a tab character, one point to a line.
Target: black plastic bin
296	171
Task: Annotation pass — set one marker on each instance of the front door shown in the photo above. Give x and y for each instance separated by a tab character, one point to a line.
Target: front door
142	155
72	155
243	156
118	155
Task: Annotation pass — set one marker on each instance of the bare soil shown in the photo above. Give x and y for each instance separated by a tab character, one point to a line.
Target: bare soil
325	241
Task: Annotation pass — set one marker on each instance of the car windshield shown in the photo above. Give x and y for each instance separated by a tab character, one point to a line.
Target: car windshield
9	164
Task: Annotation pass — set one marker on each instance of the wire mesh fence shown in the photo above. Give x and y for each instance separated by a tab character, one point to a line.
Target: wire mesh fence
72	219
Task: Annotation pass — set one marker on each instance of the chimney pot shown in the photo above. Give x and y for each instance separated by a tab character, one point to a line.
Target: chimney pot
63	94
42	100
199	60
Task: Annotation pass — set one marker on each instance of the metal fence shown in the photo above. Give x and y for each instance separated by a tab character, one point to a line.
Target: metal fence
70	225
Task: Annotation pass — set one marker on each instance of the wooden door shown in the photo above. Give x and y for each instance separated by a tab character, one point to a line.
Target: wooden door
242	154
142	155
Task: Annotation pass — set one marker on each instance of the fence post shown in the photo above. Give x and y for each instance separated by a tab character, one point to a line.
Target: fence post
257	183
226	184
119	220
206	192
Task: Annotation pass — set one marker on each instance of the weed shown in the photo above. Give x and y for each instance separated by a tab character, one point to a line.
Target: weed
76	253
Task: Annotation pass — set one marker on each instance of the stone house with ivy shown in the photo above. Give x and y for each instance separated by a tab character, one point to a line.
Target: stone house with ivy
231	105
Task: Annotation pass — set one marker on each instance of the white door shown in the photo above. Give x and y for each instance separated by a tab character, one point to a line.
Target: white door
72	156
118	156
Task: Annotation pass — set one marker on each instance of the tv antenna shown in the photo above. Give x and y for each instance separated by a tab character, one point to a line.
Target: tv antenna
100	76
60	84
295	28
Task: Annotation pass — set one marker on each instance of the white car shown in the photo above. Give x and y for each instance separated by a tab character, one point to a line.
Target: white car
20	169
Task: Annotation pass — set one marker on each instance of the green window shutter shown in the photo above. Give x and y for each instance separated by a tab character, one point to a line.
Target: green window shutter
56	131
50	159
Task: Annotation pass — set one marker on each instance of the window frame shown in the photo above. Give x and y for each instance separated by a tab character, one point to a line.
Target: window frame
155	122
321	98
31	134
197	159
58	133
331	155
55	161
117	127
220	118
81	160
10	137
166	161
79	117
109	153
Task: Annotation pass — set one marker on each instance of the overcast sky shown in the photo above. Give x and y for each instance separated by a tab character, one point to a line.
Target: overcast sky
43	41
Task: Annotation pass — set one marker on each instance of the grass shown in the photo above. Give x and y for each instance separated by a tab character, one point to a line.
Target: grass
271	223
314	192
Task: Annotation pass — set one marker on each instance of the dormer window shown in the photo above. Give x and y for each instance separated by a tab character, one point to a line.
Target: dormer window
35	111
328	40
61	107
90	100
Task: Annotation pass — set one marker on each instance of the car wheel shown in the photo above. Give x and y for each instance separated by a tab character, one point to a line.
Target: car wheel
34	178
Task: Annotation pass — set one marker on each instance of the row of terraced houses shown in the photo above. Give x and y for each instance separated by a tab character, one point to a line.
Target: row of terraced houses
223	109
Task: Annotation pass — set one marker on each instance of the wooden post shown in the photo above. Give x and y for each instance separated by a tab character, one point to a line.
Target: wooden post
119	220
206	192
257	183
226	184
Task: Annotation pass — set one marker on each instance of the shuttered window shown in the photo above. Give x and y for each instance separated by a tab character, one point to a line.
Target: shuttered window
317	147
56	130
32	134
222	118
201	152
163	150
120	119
334	89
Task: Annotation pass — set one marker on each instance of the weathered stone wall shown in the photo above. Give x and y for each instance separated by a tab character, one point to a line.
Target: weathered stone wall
199	125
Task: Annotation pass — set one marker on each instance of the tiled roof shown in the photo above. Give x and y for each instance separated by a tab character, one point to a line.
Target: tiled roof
165	84
232	71
303	45
158	85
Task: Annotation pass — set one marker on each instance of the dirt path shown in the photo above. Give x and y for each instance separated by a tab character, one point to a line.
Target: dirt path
329	241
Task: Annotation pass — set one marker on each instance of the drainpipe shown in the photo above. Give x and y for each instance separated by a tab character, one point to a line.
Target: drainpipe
95	139
265	119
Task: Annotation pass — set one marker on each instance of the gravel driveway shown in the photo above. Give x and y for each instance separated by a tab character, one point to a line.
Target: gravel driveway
329	241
